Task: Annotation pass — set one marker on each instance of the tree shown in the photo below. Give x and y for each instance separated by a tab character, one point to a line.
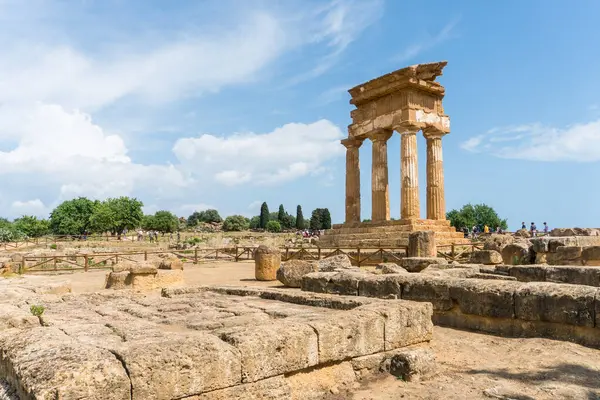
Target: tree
475	215
210	215
31	226
255	222
320	219
274	226
325	219
148	223
289	221
72	217
264	215
165	222
194	219
117	214
236	223
281	214
315	220
299	218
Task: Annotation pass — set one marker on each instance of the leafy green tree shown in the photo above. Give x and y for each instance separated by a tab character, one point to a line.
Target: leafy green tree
274	226
288	222
255	222
281	214
31	226
475	215
264	215
165	221
299	218
117	214
210	216
148	223
72	217
236	223
194	219
315	220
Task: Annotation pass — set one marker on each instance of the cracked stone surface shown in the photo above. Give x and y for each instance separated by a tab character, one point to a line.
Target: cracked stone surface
124	345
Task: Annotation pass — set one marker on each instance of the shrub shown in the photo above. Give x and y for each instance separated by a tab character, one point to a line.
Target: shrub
37	310
236	223
53	246
273	226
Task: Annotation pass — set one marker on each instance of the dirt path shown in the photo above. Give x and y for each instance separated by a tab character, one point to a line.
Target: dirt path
471	365
477	366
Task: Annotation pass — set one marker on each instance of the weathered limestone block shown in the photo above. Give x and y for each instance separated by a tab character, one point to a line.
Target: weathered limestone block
118	280
417	264
597	307
382	286
270	350
523	233
540	244
345	283
574	232
346	335
143	268
518	253
486	257
406	322
143	276
528	273
413	365
12	316
170	263
487	298
275	388
551	302
556	242
567	255
541	258
179	365
422	244
435	290
166	277
314	384
591	255
498	242
333	263
589	276
45	363
267	261
291	272
390	268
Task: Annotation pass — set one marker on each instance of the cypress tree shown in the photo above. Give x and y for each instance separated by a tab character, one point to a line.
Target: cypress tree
281	214
325	219
299	218
264	215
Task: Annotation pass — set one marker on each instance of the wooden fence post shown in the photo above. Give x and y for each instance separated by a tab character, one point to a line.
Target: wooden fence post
195	256
358	257
55	264
116	258
236	254
145	255
22	269
86	263
216	254
319	253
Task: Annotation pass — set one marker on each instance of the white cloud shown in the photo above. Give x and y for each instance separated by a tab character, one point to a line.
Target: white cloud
30	207
190	208
427	43
580	142
332	95
289	152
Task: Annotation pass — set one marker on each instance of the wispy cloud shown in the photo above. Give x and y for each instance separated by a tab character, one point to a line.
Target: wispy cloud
537	142
331	95
447	33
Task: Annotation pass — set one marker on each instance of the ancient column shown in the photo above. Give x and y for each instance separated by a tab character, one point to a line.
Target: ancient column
436	203
352	180
409	175
379	176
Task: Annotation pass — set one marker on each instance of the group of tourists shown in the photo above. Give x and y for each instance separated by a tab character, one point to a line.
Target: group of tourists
533	228
309	233
476	230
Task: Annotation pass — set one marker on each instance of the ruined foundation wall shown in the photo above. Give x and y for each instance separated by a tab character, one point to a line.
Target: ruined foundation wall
510	308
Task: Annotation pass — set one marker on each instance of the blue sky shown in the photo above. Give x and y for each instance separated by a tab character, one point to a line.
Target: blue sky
225	104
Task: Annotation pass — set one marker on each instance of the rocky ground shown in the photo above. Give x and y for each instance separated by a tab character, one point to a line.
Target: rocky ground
470	365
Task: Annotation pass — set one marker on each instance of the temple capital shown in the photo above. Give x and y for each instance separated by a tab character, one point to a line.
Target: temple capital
433	133
380	135
351	143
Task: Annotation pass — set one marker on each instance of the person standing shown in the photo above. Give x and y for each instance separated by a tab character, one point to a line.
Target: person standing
533	229
523	225
546	229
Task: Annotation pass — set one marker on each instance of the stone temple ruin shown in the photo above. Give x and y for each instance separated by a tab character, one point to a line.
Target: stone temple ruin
406	101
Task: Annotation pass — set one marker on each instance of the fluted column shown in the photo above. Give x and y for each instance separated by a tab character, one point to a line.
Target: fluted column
379	176
352	180
409	175
436	202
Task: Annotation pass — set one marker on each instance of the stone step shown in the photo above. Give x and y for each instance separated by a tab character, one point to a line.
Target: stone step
386	229
380	235
390	242
417	222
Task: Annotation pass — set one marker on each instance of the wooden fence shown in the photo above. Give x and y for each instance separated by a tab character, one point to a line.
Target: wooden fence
359	256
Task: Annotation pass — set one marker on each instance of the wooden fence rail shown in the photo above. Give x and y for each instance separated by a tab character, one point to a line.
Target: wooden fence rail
359	256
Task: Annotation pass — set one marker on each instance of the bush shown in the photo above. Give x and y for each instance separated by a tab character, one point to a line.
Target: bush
53	246
37	310
273	226
236	223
